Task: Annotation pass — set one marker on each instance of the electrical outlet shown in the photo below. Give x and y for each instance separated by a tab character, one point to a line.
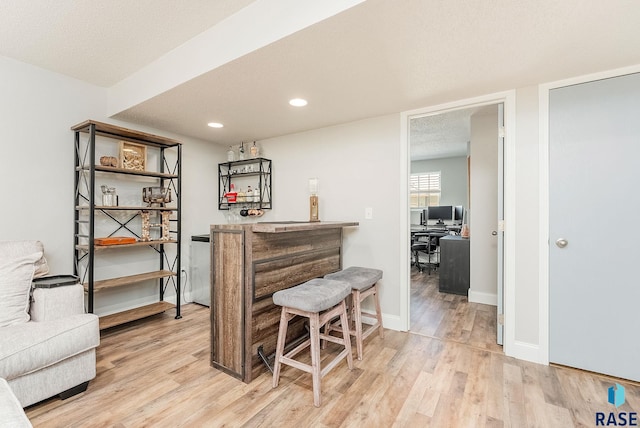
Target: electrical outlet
368	213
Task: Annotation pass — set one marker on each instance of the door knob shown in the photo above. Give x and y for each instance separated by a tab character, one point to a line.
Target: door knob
494	233
561	243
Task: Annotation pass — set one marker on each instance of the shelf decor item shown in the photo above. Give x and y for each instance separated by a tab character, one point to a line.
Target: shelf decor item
156	195
241	151
313	200
164	226
111	161
109	197
133	156
115	240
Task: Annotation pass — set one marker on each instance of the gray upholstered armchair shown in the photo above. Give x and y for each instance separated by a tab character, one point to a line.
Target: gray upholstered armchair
47	341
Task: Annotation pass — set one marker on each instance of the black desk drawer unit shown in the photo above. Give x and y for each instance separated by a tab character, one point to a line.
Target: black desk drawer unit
454	265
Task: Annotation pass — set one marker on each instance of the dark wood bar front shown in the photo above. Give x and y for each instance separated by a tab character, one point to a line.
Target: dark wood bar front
250	262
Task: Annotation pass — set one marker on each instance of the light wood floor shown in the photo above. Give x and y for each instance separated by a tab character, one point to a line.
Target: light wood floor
156	373
450	316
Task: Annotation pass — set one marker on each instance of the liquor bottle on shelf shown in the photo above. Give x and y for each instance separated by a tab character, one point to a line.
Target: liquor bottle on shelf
230	154
241	151
249	194
254	150
256	194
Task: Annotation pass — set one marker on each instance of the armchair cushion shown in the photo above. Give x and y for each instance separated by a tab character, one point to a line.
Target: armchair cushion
52	303
17	265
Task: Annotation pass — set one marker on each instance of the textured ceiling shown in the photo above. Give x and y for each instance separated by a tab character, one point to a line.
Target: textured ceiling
376	58
440	136
383	57
103	41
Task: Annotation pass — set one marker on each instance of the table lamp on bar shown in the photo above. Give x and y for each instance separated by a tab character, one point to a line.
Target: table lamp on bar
313	200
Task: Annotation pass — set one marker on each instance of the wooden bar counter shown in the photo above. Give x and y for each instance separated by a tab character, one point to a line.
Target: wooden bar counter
250	262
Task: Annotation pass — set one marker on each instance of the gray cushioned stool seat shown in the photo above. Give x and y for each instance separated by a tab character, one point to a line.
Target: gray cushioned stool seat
315	295
360	278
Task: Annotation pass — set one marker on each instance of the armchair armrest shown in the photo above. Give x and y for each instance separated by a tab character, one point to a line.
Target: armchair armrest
59	302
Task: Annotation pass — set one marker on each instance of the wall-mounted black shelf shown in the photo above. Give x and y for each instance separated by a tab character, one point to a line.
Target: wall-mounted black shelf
254	172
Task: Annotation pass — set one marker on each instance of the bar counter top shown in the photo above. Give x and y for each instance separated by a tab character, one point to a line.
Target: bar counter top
296	226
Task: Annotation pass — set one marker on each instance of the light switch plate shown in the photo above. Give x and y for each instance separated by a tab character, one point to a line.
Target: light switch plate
368	213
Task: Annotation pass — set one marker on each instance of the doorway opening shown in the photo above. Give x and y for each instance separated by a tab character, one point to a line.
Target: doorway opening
456	164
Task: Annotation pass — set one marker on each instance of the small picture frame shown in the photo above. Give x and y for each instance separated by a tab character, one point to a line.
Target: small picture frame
133	156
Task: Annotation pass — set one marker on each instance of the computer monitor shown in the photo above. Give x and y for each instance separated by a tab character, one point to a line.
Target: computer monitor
458	213
442	212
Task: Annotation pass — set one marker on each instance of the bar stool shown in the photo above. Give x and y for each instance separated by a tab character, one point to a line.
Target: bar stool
364	283
320	300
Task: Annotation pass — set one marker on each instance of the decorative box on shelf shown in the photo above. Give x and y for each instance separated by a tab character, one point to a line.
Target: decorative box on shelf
115	240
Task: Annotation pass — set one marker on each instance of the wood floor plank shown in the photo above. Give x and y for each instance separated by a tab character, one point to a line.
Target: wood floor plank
495	390
450	316
156	373
342	410
533	395
414	399
473	404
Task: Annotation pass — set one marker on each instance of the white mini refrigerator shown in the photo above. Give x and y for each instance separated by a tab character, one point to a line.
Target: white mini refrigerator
199	269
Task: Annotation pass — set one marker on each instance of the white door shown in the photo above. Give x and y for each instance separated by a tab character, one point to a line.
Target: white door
483	213
594	200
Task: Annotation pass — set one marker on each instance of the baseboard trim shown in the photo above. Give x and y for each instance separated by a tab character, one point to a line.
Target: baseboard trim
392	322
525	351
484	298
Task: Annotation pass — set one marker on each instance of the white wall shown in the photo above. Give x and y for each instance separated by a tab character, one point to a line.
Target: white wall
357	167
38	108
483	207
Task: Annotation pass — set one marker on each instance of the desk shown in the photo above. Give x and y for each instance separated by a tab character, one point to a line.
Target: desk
448	228
454	265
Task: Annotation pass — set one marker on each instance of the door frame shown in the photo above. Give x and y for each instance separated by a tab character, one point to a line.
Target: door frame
508	98
543	105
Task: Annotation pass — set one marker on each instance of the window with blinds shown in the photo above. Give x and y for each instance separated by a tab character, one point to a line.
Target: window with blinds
424	189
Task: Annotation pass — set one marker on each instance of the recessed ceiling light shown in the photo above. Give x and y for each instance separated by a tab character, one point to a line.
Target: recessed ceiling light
215	125
298	102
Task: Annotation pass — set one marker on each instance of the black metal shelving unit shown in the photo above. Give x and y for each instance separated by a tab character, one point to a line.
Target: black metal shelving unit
124	219
245	172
